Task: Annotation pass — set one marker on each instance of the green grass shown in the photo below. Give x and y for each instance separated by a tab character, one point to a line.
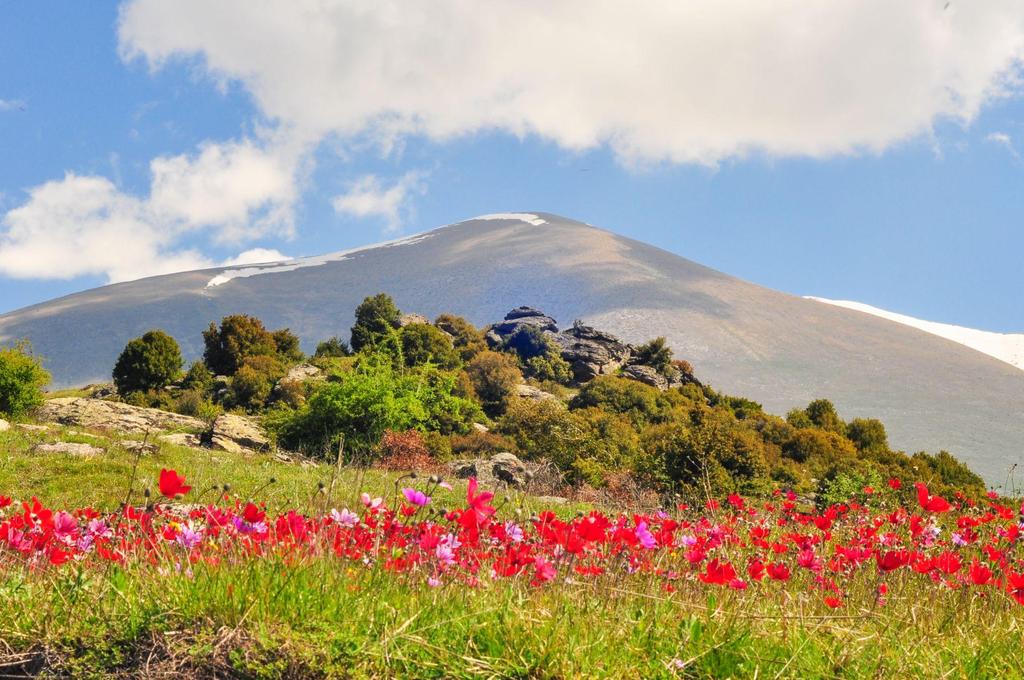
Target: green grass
321	617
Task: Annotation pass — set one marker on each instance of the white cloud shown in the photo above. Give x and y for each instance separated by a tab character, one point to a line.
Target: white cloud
84	225
11	104
1004	140
656	80
369	197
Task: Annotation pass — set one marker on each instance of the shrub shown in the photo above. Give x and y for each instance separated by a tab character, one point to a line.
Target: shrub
404	451
150	362
655	354
22	379
239	336
196	404
363	404
332	347
823	414
198	378
467	339
376	318
422	343
528	342
494	376
549	367
252	383
642	403
478	444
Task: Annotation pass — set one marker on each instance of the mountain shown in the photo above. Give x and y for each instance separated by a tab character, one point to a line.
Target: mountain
779	349
1008	347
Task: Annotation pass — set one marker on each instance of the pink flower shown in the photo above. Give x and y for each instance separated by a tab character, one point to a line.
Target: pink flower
645	537
416	497
345	518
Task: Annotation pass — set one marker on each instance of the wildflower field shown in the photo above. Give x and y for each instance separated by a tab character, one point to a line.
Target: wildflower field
416	577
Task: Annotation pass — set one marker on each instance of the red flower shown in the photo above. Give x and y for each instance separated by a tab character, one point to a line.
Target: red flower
980	574
718	573
778	571
895	484
172	484
1015	586
931	503
5	501
478	502
833	602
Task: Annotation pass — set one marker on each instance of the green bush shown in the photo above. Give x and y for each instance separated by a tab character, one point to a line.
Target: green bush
528	342
198	378
642	403
150	362
549	367
376	318
252	383
376	397
868	434
655	354
422	343
22	379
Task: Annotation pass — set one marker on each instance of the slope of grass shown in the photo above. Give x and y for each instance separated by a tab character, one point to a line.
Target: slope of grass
323	617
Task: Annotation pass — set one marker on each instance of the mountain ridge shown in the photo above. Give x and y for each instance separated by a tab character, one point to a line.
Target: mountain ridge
745	339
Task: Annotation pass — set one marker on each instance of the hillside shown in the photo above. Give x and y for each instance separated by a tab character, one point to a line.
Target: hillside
779	349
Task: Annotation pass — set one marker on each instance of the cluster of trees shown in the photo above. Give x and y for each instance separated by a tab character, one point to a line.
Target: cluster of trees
441	380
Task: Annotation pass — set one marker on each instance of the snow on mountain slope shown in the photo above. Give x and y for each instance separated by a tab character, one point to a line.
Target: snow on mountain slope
1008	347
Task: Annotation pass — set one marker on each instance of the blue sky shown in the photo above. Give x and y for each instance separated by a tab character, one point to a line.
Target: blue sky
145	137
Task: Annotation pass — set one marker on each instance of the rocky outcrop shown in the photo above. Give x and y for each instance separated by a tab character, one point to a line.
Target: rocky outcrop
300	373
182	439
646	375
534	393
500	470
409	319
81	450
519	317
112	415
4	425
591	352
236	434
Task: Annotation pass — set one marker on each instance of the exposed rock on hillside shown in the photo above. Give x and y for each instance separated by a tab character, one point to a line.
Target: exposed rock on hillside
591	352
82	450
4	425
501	470
112	415
534	393
236	434
519	317
646	375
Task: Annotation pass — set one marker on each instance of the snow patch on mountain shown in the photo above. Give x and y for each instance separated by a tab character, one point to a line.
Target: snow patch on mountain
529	218
1008	347
275	267
314	261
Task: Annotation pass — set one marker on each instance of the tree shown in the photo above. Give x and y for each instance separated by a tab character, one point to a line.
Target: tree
494	375
287	345
655	354
22	379
422	343
376	318
641	403
198	378
332	347
238	337
868	434
823	414
150	362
